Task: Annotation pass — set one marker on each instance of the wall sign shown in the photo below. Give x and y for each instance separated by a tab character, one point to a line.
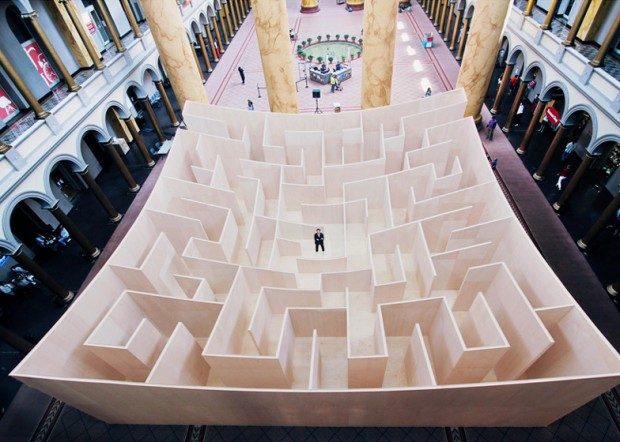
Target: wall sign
38	58
7	108
553	116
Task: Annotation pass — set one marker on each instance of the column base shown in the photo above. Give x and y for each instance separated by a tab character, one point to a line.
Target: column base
494	111
117	218
177	124
544	27
458	58
505	129
451	48
135	189
42	116
582	245
556	207
74	88
95	254
520	151
537	177
446	38
151	163
208	72
309	9
204	81
69	297
568	43
611	291
121	50
217	60
595	64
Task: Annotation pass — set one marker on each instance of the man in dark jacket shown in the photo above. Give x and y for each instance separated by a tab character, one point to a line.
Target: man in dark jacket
318	240
241	74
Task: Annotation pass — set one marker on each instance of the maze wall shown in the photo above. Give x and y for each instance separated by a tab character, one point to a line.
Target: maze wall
429	306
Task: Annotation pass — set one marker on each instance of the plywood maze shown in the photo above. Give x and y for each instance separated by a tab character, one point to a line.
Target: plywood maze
430	305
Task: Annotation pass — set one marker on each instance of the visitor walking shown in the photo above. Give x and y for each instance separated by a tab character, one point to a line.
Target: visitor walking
333	82
513	83
491	128
250	105
241	74
429	92
519	114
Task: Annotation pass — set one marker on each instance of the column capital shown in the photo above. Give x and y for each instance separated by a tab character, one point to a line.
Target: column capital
30	14
4	148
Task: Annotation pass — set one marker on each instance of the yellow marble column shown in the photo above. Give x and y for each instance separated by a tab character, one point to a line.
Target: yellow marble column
481	52
211	44
218	36
446	36
168	31
378	56
203	50
529	7
597	13
238	11
442	20
271	19
309	6
110	25
233	14
22	87
356	5
222	16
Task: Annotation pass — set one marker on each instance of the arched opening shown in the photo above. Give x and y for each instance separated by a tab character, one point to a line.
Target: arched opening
162	96
147	119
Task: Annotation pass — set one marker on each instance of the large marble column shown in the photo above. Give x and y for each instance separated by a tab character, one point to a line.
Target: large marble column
557	139
168	31
37	271
378	56
608	214
446	36
502	88
146	105
22	87
309	6
356	5
271	21
32	19
211	43
540	107
84	35
442	20
110	25
481	52
583	9
515	107
573	182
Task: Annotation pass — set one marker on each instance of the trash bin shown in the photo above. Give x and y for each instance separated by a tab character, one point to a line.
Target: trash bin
337	108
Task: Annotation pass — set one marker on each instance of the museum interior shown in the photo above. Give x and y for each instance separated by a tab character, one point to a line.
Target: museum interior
169	170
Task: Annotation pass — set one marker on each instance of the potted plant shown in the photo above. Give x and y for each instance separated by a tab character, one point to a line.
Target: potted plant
359	42
310	57
327	36
330	59
303	43
353	38
299	47
337	36
309	40
346	37
359	54
319	59
319	38
344	58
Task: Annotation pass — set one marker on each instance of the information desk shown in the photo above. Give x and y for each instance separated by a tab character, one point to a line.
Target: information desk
323	78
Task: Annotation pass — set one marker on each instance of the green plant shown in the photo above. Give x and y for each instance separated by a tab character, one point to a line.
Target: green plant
346	37
344	58
319	59
353	37
337	36
359	42
309	40
328	36
330	59
299	47
319	37
359	54
303	43
310	57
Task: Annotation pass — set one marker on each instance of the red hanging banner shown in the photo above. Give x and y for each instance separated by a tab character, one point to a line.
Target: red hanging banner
553	116
38	58
7	108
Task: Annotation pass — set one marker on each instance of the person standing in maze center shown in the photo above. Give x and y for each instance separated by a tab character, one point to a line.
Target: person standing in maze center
318	240
241	74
